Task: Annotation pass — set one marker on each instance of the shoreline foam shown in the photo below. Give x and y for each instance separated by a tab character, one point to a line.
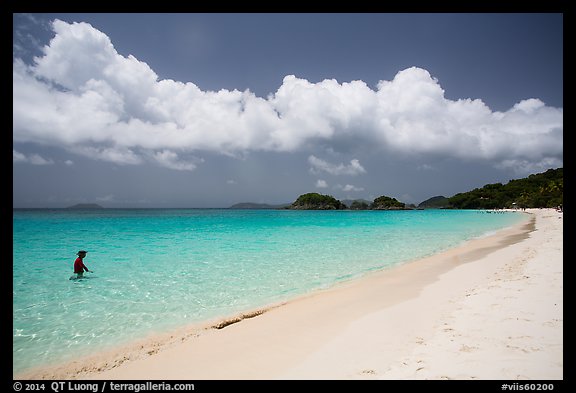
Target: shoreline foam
284	336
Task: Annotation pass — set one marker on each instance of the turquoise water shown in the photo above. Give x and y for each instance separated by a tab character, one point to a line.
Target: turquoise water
158	269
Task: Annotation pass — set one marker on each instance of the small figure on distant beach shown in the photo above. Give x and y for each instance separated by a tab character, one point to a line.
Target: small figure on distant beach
79	266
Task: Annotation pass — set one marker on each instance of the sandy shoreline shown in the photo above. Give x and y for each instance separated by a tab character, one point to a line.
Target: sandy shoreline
490	309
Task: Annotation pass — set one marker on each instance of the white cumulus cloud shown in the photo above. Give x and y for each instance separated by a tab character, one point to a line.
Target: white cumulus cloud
84	96
171	160
34	159
350	187
318	165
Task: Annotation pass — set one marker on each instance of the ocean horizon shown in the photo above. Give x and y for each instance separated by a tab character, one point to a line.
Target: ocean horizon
159	269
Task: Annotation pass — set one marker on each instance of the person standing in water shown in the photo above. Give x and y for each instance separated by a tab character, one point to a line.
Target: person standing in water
79	266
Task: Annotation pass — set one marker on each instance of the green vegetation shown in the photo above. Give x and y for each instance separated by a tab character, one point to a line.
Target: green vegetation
539	190
359	205
437	202
387	203
315	201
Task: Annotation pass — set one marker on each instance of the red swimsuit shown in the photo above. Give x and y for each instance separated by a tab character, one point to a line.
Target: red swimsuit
79	266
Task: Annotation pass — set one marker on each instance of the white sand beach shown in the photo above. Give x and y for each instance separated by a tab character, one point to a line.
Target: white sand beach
489	309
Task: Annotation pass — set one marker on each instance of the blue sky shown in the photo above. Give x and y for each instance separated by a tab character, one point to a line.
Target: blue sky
207	110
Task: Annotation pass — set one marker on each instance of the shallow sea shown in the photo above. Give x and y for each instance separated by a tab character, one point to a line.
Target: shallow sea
159	269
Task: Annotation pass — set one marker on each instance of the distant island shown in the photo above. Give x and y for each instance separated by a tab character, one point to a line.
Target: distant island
315	201
85	206
357	204
387	203
251	205
437	202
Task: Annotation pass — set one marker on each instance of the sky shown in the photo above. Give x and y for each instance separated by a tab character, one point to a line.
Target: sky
209	110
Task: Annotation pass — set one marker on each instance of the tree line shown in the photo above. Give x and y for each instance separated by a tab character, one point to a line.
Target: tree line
316	201
535	191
